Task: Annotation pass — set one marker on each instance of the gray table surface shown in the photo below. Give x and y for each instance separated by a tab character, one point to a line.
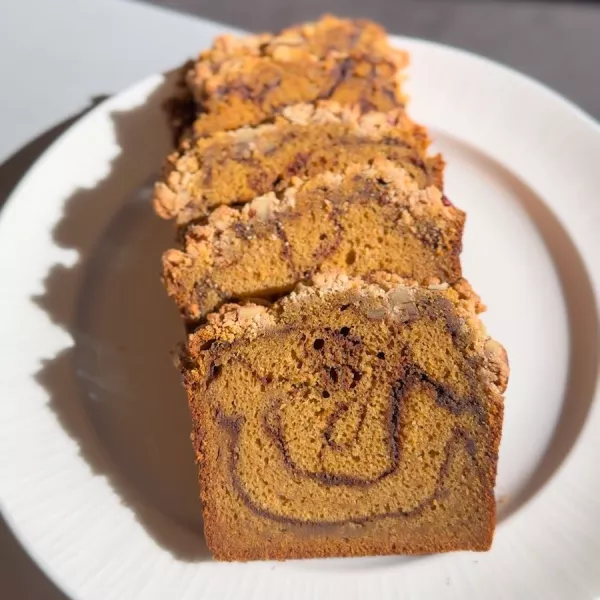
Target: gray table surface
55	65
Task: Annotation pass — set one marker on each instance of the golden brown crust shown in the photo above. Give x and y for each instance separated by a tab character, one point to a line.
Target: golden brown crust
243	81
244	385
234	167
362	219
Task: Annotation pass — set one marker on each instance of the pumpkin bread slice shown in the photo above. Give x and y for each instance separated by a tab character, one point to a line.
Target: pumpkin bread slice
246	80
362	219
350	418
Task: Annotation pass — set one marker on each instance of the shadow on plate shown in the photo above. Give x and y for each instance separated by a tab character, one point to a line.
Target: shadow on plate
584	333
584	351
15	166
116	391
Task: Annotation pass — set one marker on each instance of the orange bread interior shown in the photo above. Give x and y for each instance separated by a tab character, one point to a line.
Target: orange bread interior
353	417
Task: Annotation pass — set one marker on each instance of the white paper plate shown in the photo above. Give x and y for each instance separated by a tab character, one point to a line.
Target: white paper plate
96	469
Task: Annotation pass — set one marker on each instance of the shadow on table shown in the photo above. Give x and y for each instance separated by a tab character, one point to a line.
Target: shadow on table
116	391
14	167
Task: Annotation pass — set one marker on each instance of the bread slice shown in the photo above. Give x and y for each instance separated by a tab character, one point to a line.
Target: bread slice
243	81
350	418
236	166
363	219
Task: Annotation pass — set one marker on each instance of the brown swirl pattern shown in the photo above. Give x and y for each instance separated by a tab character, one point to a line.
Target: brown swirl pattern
346	430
